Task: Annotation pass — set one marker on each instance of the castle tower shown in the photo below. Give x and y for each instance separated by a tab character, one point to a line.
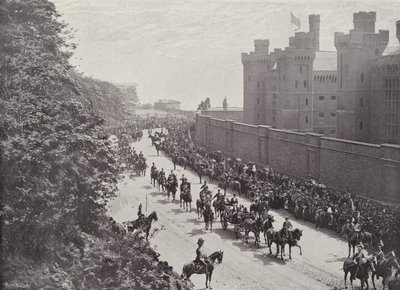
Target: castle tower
255	66
398	29
354	51
364	21
314	23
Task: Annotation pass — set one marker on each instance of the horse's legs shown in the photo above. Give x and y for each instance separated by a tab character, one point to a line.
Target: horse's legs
290	252
301	252
209	280
345	279
246	235
349	250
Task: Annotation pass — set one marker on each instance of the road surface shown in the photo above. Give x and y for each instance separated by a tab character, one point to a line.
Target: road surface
243	266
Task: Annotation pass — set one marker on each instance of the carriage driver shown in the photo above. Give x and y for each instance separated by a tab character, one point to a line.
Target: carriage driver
201	257
286	228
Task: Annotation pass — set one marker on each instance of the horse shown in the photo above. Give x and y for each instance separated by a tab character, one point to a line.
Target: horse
208	216
200	208
357	271
354	238
186	196
277	238
292	240
158	148
154	139
153	177
267	225
141	167
142	224
218	205
254	226
384	269
162	181
171	187
191	268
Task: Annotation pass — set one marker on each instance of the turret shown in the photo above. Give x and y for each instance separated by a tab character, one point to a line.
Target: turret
313	21
398	29
365	21
261	45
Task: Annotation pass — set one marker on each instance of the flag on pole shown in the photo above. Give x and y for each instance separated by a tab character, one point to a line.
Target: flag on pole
294	20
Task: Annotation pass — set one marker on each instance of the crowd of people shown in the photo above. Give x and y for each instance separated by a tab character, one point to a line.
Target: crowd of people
306	199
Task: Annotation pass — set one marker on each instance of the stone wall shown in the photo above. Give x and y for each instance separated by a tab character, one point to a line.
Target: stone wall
366	169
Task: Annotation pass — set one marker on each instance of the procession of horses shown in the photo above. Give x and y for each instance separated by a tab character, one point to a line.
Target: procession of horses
265	189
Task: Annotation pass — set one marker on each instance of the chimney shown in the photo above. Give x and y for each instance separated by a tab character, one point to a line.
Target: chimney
313	21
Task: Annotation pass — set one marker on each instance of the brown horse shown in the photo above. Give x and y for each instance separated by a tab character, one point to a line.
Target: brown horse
358	271
293	239
208	216
384	269
142	224
254	226
191	268
277	238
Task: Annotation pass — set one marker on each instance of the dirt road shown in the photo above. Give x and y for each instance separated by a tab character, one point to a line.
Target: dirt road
243	266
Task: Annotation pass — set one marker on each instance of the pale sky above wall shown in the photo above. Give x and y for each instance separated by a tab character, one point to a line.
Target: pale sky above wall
189	50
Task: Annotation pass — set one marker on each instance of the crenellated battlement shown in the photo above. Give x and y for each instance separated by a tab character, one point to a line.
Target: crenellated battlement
359	39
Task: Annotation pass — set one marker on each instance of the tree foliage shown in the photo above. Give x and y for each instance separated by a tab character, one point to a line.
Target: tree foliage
57	168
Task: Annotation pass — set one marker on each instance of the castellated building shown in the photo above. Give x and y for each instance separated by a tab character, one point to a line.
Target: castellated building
294	88
368	87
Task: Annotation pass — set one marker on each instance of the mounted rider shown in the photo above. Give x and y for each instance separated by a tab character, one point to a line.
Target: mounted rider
219	195
172	179
359	258
347	228
140	214
379	254
286	228
201	257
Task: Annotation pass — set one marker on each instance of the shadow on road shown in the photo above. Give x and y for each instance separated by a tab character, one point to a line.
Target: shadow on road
163	201
196	221
196	232
148	187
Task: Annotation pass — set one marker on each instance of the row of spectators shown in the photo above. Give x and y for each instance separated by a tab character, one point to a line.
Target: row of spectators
308	199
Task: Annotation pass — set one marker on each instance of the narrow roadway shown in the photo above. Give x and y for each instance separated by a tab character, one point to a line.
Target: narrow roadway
243	266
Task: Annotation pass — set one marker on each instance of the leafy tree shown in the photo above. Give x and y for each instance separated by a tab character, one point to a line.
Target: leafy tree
57	169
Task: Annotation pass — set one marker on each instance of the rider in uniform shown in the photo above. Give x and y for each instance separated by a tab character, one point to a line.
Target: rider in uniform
359	257
201	257
218	195
140	214
379	254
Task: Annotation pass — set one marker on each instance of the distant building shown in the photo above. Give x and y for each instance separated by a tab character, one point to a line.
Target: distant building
294	88
167	105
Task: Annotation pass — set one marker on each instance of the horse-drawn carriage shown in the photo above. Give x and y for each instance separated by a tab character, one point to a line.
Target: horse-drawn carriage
234	217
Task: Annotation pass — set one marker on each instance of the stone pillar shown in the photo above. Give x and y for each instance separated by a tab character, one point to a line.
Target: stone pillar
313	143
229	138
263	144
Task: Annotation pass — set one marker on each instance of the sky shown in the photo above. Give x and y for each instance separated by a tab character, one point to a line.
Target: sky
188	50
